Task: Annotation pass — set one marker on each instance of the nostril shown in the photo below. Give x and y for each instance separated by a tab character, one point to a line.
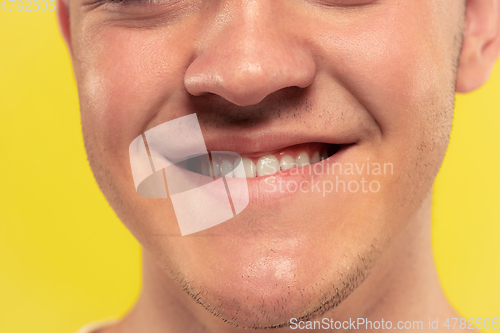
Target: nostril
242	89
248	75
198	84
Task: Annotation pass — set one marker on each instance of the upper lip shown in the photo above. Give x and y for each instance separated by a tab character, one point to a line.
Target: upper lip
269	141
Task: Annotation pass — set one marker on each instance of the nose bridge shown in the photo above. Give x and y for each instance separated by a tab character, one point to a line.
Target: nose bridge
250	56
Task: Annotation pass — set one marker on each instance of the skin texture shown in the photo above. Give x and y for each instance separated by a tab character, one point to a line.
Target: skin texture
381	74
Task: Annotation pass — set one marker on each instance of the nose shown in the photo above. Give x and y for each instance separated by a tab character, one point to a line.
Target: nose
250	56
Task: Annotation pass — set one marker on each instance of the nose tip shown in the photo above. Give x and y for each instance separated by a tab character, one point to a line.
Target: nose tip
248	80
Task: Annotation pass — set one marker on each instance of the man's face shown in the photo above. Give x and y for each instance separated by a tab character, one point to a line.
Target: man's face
372	79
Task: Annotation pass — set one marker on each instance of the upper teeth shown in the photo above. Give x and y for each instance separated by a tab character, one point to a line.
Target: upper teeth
266	165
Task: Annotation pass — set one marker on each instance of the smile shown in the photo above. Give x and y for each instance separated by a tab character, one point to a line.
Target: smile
261	165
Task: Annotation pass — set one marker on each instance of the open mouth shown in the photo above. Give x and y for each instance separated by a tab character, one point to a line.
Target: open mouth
260	165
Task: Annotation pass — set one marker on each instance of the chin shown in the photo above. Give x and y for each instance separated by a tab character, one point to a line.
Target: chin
264	282
268	301
261	300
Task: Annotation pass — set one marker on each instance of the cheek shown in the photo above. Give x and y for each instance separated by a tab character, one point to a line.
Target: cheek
391	60
127	76
397	63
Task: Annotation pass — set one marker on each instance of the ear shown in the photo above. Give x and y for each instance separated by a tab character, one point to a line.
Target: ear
64	24
481	44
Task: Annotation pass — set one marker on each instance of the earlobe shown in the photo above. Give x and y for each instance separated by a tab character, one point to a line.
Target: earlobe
481	44
64	23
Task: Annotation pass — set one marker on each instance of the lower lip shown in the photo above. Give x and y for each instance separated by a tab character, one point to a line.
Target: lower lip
266	190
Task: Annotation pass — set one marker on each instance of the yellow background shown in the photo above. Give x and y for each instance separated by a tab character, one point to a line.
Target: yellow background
66	260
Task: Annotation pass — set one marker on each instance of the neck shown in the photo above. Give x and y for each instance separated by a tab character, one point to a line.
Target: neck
404	286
